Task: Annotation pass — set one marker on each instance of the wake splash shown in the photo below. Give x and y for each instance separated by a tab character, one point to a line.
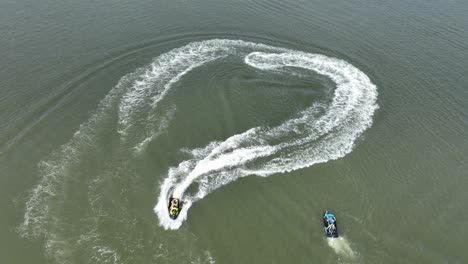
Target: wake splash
341	247
317	134
134	113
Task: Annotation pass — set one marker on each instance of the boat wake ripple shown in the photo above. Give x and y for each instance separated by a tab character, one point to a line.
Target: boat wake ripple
316	134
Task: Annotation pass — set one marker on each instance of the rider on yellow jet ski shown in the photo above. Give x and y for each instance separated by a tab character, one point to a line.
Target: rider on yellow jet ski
174	208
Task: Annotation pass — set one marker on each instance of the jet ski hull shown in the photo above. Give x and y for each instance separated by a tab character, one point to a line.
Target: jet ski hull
330	233
174	211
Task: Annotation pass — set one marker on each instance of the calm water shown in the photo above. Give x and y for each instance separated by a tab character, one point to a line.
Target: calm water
109	107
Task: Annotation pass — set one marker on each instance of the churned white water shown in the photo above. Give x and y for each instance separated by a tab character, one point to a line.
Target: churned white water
302	141
316	134
341	246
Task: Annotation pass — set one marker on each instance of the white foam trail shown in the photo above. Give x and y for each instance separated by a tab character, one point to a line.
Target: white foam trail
163	122
38	216
142	99
307	139
317	134
106	255
342	247
233	156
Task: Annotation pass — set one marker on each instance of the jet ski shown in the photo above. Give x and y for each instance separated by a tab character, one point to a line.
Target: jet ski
331	226
174	207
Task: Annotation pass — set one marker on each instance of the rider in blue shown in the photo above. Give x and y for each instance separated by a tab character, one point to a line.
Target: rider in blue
330	220
330	217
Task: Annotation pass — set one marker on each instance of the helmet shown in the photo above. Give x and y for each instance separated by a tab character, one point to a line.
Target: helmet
331	221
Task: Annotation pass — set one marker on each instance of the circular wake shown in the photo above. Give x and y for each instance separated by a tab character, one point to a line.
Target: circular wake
95	169
317	134
134	113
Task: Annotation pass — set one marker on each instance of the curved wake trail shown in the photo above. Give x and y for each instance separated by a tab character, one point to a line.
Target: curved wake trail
317	134
136	109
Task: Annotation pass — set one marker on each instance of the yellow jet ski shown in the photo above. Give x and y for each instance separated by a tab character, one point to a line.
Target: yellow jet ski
174	207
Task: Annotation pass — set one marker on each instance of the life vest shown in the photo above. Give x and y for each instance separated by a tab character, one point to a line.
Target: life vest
174	207
173	211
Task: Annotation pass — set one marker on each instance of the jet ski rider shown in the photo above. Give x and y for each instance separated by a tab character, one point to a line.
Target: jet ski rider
331	224
330	218
174	209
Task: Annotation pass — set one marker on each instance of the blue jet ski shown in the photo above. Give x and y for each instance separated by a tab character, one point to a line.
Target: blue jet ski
174	207
331	226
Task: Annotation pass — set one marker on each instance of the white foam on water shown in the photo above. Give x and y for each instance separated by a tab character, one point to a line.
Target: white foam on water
38	216
342	247
300	142
106	255
317	134
160	125
139	105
